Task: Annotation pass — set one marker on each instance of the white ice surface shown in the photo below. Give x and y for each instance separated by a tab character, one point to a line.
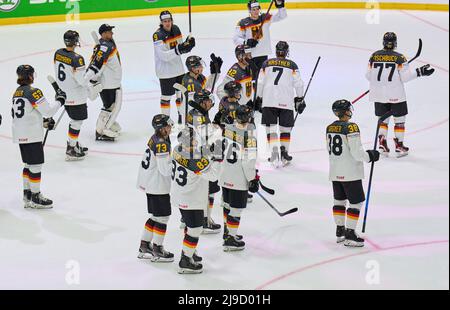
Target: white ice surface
99	215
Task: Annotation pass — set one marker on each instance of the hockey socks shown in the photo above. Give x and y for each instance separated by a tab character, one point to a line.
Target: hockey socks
190	241
160	229
353	215
74	132
165	105
233	221
285	137
147	234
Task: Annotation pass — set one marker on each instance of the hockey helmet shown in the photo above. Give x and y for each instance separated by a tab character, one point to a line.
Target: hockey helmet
241	51
71	38
160	121
193	62
233	89
243	114
25	74
340	107
202	97
282	49
390	41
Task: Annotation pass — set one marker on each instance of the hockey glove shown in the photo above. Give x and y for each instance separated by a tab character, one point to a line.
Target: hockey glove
191	42
49	123
215	64
300	104
251	43
228	120
374	155
61	97
258	104
279	4
253	185
426	70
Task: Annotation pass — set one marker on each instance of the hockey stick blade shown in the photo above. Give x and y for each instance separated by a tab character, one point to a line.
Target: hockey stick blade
289	212
266	189
53	82
419	52
95	37
180	87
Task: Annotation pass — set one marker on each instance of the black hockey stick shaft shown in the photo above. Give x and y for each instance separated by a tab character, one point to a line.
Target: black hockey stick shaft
419	52
57	89
275	209
266	189
369	189
309	84
190	16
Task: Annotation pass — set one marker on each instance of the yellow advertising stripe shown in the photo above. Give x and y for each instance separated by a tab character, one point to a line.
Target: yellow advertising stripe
227	7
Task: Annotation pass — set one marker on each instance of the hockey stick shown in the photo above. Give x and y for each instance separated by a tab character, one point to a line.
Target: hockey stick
275	209
184	91
419	52
95	37
309	84
56	88
381	120
266	189
190	17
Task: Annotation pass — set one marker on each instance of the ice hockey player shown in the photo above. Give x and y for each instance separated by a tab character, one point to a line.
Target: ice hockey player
155	179
191	174
388	71
31	113
241	73
105	68
70	72
229	104
254	31
169	46
194	81
281	88
238	174
198	119
347	156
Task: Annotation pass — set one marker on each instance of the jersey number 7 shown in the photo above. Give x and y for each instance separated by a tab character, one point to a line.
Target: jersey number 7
280	73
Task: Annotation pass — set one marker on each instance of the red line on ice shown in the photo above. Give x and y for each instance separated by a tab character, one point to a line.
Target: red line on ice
424	20
336	259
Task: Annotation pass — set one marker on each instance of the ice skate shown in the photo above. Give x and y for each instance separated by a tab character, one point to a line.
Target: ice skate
340	234
160	255
40	202
384	149
286	159
400	149
74	153
226	234
187	265
352	239
81	148
27	199
209	227
145	250
197	258
231	244
274	159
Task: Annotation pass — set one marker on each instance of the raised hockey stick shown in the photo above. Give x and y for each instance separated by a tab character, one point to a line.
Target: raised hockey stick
309	84
56	88
184	91
190	17
95	37
419	52
381	120
275	209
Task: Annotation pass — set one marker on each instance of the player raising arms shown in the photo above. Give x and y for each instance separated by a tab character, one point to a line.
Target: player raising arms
254	31
388	71
347	171
70	72
169	46
191	174
29	106
154	179
106	68
281	87
241	73
238	174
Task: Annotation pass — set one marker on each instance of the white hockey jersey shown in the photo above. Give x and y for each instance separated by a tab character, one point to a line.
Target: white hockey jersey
248	28
387	73
29	107
238	167
190	180
156	167
168	64
105	65
70	72
347	154
279	83
241	76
